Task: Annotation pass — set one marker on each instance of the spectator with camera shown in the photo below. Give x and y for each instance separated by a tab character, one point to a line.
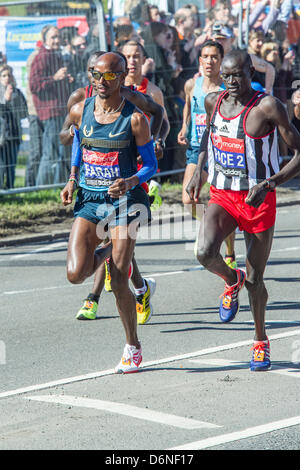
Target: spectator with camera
50	84
158	39
78	63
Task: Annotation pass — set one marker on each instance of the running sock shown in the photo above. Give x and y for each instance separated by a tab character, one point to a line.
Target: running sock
230	256
142	290
93	297
265	341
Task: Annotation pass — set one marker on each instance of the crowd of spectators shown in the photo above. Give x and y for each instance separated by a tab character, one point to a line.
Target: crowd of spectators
172	43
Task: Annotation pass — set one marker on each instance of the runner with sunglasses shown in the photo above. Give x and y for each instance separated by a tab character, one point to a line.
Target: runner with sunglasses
137	89
102	279
142	101
110	199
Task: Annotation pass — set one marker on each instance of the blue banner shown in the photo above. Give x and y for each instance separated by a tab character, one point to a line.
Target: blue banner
22	36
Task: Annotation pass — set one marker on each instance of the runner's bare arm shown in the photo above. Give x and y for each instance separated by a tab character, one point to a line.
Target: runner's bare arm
146	104
183	133
67	133
158	97
277	115
262	66
66	194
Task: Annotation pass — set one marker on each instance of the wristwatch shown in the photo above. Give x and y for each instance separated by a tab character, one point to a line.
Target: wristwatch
269	184
161	142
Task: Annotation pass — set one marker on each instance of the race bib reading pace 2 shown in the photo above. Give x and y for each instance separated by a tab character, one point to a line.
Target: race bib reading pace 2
100	169
229	155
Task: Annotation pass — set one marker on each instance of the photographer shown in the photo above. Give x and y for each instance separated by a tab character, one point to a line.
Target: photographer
78	63
50	84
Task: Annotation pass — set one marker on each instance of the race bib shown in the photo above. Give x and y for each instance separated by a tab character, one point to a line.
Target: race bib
100	169
200	126
229	155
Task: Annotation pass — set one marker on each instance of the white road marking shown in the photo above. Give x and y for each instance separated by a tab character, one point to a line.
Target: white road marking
180	357
276	322
40	250
40	289
68	286
238	435
288	372
126	410
221	363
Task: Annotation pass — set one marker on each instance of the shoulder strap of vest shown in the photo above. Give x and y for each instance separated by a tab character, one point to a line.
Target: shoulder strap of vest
220	97
142	88
258	96
88	91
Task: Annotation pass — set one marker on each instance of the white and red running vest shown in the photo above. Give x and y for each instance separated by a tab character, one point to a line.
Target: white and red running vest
237	161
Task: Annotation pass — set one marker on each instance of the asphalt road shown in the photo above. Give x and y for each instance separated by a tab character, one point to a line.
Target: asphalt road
194	391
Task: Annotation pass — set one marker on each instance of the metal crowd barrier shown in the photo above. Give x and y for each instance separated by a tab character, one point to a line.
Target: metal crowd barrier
29	189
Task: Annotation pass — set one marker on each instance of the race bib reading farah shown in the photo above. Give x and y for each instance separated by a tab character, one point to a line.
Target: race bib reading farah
100	169
229	155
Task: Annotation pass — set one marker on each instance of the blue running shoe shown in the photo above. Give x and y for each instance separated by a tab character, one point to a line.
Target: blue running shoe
261	356
229	305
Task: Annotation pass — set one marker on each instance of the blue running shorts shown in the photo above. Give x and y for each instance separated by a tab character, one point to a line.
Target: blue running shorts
98	206
192	155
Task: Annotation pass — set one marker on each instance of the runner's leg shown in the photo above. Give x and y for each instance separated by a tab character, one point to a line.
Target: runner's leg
136	277
230	253
218	224
258	251
122	253
230	245
84	257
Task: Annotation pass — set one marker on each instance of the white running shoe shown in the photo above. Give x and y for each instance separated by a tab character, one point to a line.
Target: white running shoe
130	361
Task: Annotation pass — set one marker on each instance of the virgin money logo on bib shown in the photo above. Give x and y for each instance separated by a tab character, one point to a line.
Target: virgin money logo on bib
99	158
228	144
201	119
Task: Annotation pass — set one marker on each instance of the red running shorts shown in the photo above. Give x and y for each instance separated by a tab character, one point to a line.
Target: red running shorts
249	219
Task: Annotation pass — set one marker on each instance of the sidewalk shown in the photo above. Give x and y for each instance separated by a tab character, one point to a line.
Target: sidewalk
287	195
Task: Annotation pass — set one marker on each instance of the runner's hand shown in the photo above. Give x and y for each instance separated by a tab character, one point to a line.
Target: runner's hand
194	186
158	150
181	138
66	194
60	74
119	188
296	98
256	195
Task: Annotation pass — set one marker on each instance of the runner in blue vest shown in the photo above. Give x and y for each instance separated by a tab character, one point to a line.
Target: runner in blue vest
144	288
110	199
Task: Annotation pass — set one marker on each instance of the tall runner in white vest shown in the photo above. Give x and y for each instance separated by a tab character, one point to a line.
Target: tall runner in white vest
240	143
194	123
